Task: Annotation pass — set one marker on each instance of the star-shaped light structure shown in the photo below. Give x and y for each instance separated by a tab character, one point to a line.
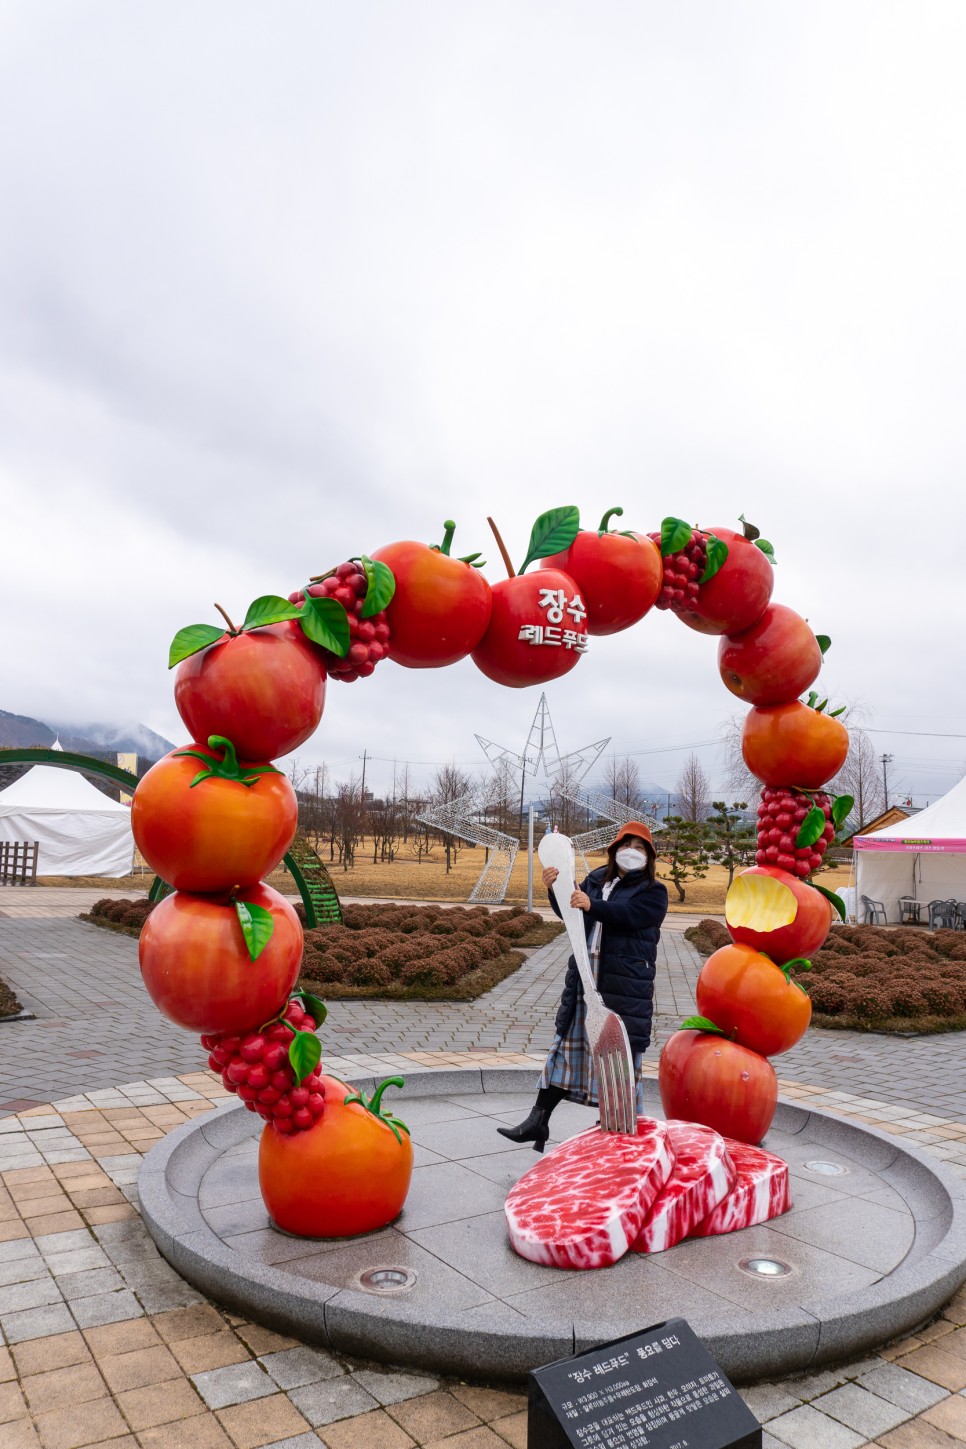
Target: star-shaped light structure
540	757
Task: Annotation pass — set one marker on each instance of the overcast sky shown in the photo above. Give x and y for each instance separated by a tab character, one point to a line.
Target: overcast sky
282	283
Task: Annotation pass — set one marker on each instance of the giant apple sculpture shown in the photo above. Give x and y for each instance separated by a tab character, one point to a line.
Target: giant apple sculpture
221	954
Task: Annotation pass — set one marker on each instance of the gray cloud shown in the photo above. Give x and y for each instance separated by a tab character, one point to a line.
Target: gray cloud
279	287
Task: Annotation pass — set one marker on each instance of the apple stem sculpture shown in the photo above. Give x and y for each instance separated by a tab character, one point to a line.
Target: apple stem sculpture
504	553
473	559
373	1104
221	955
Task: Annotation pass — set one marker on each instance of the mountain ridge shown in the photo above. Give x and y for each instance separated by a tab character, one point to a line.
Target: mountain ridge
19	731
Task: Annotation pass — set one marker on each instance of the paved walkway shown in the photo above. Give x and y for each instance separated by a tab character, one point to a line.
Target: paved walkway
102	1343
69	972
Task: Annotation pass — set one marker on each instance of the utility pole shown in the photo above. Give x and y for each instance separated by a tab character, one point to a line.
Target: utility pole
362	788
886	762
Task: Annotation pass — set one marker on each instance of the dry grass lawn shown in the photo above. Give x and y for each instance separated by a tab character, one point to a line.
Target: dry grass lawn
405	879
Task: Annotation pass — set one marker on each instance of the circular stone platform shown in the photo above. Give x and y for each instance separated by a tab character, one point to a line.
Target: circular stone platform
875	1244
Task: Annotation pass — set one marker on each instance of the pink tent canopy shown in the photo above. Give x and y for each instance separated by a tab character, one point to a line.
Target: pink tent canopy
922	858
940	827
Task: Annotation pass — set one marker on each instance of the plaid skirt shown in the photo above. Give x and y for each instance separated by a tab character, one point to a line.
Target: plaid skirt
570	1066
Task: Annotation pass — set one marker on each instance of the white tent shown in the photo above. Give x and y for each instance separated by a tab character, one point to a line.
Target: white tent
923	857
80	831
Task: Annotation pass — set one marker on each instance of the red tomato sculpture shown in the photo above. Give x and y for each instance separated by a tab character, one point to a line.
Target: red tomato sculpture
704	1078
263	689
752	1000
348	1174
211	833
738	594
619	575
197	968
441	606
775	912
537	630
792	744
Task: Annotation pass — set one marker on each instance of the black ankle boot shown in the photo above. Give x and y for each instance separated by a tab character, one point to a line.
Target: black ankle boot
536	1127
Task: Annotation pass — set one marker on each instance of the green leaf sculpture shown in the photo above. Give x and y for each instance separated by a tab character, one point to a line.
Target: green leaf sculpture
675	535
326	623
269	609
811	828
314	1005
257	926
553	532
304	1054
382	586
190	640
837	901
717	551
700	1023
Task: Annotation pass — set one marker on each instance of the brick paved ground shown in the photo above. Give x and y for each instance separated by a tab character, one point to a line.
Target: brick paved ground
66	970
102	1343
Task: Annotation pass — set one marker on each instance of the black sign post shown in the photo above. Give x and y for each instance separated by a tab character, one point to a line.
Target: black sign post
657	1389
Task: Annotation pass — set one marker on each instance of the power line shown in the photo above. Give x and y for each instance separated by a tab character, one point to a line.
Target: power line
926	734
671	749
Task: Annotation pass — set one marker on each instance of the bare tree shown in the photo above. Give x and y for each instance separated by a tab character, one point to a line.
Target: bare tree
419	841
861	778
450	783
566	813
382	823
623	781
742	784
311	790
400	790
693	790
347	820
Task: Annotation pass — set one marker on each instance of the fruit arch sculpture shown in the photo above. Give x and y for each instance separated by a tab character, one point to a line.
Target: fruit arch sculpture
221	954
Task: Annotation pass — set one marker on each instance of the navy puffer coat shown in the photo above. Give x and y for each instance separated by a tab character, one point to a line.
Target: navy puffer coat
631	920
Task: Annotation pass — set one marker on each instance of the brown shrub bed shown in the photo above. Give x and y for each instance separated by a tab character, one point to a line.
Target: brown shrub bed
399	953
9	1005
421	953
120	914
869	978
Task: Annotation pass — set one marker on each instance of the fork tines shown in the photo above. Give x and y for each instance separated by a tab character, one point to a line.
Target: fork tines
618	1111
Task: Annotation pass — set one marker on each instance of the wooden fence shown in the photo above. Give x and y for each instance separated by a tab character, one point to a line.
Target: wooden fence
18	862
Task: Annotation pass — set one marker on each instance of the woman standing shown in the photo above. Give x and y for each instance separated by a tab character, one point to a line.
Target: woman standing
624	906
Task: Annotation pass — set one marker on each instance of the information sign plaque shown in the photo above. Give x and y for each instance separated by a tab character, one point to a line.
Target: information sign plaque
657	1389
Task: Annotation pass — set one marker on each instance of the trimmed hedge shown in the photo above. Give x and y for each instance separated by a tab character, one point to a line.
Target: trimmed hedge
422	952
399	952
869	978
9	1005
121	914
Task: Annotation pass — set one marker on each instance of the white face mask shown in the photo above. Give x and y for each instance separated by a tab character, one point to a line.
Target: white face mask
630	859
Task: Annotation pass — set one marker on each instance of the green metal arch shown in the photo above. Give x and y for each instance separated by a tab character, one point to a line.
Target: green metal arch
87	765
67	760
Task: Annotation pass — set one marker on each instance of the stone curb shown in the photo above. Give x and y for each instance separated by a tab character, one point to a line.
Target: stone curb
495	1343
